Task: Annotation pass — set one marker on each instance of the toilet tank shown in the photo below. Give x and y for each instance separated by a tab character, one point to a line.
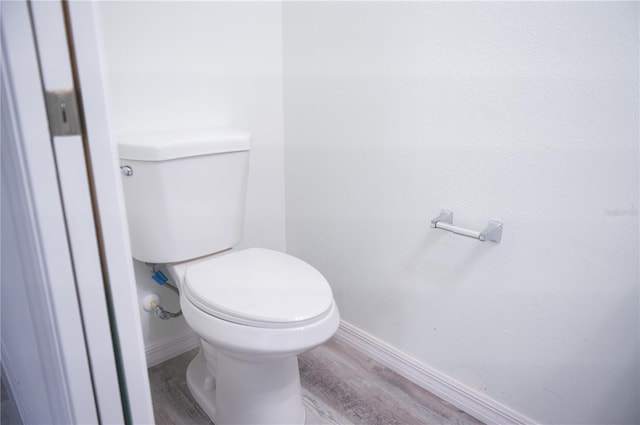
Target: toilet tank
185	197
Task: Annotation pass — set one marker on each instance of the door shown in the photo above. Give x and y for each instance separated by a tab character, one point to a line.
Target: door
61	196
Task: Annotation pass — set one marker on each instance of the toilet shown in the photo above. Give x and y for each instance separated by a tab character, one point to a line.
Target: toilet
255	309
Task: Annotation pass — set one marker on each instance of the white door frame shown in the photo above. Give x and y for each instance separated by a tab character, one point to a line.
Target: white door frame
29	177
80	289
86	33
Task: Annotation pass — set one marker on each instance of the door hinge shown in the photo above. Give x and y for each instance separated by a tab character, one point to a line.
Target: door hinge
62	110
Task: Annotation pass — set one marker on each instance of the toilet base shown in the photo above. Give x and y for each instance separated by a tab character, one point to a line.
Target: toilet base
247	392
196	375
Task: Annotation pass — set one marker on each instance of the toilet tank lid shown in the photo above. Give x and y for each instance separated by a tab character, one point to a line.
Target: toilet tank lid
181	144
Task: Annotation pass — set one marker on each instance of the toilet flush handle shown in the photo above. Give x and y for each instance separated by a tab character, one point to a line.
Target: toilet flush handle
126	170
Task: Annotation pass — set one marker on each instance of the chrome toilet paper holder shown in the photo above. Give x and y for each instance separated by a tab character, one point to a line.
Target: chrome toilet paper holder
493	231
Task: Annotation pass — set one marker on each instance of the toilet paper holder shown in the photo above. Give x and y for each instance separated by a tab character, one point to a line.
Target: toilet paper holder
493	231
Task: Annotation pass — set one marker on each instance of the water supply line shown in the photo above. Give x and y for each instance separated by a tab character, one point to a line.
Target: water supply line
162	280
163	314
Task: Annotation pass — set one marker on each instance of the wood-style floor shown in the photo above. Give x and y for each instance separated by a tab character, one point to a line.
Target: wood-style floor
339	386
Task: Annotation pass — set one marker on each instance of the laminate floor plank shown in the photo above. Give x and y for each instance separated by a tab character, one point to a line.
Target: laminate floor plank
366	392
340	386
172	400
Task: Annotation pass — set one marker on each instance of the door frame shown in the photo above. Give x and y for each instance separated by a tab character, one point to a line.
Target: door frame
35	188
85	33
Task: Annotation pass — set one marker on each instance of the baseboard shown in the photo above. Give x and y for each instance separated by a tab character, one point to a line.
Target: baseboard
14	384
170	348
471	402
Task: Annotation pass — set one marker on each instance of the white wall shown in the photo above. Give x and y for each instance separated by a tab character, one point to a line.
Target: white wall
177	65
520	112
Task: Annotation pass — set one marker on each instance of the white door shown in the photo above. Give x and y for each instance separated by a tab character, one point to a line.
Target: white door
74	264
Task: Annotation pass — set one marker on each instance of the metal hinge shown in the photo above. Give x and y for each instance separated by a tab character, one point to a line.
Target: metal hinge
62	110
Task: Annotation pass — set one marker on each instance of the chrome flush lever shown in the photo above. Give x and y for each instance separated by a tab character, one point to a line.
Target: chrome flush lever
126	170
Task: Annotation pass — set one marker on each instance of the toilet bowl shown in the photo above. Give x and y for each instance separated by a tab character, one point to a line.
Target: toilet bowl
254	309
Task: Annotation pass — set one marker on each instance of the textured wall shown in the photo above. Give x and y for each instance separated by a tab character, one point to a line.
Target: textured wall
521	112
176	65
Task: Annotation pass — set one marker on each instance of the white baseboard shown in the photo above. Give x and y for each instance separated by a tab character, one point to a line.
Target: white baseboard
471	402
170	348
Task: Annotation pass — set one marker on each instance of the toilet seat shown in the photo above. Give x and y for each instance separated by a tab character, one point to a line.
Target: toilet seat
260	288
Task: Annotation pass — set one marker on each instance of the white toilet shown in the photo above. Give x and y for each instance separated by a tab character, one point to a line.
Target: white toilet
255	310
